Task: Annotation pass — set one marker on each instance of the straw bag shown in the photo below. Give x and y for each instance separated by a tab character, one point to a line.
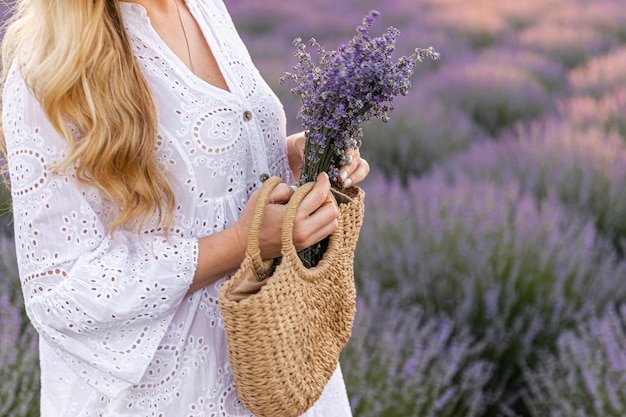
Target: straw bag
286	328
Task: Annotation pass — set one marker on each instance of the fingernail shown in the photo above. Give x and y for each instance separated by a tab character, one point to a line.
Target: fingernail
294	188
349	159
344	177
325	174
347	183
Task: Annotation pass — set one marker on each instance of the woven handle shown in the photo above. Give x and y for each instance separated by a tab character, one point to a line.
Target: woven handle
290	215
288	249
253	250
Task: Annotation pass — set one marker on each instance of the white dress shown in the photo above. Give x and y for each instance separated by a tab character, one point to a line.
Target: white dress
118	336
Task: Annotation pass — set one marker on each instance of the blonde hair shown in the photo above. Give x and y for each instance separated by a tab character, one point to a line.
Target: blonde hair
77	60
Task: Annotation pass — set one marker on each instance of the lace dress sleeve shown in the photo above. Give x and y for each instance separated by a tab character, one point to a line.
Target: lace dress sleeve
103	304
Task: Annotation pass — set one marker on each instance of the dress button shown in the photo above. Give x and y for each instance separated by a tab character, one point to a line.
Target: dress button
247	115
264	177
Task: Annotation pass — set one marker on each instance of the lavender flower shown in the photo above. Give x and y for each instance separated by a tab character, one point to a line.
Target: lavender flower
480	27
570	44
585	376
600	75
19	365
496	93
349	86
605	114
513	272
407	363
583	167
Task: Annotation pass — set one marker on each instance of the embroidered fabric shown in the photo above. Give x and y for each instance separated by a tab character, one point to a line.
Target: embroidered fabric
119	337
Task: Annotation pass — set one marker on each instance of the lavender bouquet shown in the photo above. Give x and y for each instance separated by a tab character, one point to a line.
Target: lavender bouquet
346	88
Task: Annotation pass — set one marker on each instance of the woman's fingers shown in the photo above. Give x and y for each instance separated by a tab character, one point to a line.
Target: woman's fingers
316	216
355	170
281	194
316	197
316	227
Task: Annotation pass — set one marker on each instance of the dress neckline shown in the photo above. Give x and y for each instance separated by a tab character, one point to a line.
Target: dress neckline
141	15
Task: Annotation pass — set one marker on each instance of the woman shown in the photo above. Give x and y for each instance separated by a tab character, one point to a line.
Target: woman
136	134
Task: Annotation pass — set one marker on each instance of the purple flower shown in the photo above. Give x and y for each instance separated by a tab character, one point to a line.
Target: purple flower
585	371
409	363
346	88
19	365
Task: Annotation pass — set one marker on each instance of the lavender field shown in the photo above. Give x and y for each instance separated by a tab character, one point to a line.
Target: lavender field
491	268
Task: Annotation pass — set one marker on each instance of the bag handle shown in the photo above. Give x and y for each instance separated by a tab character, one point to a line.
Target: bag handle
253	250
290	215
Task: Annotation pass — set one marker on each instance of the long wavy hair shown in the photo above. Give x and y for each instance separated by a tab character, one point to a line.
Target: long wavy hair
77	61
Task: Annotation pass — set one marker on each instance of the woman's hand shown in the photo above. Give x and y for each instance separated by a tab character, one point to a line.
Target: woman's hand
316	218
355	170
351	174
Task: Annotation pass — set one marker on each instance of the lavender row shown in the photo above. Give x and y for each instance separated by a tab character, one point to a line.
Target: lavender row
402	362
19	363
585	374
507	272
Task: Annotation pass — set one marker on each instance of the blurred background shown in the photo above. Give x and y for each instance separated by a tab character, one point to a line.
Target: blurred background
491	267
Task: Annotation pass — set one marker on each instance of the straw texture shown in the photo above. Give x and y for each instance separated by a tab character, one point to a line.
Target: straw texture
284	339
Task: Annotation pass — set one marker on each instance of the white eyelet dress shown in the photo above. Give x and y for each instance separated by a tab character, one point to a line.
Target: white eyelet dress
118	335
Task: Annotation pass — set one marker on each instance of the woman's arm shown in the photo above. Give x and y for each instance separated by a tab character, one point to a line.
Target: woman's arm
102	304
